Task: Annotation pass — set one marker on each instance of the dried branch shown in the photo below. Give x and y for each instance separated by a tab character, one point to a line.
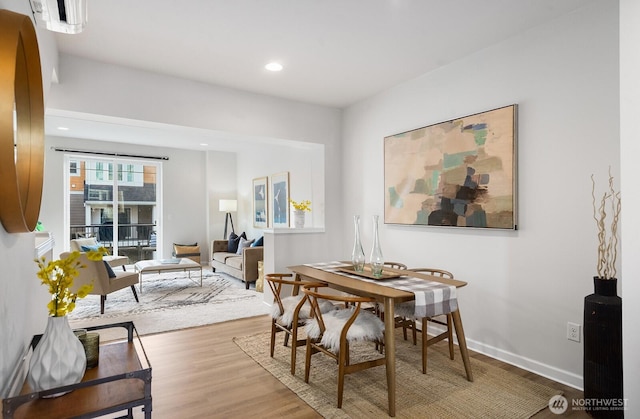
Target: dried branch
607	246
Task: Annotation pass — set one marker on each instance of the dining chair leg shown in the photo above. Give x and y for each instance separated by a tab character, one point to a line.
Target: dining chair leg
450	334
286	339
342	362
273	337
424	346
307	362
457	322
414	326
294	349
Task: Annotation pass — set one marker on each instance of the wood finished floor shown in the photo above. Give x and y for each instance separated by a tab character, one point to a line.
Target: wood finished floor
201	373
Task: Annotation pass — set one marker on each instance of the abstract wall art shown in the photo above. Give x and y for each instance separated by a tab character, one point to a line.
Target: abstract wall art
458	173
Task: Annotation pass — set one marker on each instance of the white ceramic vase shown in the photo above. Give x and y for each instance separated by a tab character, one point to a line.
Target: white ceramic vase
58	359
298	218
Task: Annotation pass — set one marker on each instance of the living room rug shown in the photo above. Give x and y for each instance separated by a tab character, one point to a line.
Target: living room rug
443	392
171	301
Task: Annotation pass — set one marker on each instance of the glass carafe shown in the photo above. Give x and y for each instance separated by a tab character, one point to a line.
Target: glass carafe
357	254
376	260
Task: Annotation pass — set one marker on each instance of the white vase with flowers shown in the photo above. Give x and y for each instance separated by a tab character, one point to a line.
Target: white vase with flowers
59	358
300	208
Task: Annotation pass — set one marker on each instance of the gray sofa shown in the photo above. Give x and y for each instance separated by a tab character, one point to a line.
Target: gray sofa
243	267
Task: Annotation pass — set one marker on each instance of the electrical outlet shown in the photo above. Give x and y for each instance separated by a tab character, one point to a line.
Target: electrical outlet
573	331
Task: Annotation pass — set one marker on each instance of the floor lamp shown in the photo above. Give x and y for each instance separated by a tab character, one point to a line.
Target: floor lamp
228	206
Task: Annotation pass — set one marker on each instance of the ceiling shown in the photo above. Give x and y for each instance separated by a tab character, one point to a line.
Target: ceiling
334	52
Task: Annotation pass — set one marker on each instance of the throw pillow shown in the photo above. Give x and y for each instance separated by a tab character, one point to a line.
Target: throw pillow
153	239
91	248
190	244
234	241
258	242
183	251
243	244
109	270
88	248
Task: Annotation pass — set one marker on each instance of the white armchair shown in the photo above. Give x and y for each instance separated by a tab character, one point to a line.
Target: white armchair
95	272
113	261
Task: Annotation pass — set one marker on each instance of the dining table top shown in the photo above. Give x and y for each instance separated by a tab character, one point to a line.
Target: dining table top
369	288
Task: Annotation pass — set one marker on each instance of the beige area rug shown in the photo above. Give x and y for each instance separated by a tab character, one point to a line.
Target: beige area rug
171	301
443	392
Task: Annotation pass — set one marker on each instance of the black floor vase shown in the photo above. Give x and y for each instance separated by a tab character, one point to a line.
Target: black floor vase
603	350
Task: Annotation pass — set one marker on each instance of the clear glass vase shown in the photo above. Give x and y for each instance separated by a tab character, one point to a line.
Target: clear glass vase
376	260
357	254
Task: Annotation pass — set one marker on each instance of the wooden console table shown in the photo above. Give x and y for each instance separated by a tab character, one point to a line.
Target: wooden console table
121	381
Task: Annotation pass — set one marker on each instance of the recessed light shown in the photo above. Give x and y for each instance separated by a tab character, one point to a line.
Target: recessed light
273	66
204	144
63	128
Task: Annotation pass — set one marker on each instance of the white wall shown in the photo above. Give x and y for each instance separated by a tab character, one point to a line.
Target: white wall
96	88
630	147
23	300
92	87
222	174
524	285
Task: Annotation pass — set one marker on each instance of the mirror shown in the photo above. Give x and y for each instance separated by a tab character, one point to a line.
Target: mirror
21	124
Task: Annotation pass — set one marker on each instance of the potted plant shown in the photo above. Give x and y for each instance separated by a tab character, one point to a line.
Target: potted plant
602	360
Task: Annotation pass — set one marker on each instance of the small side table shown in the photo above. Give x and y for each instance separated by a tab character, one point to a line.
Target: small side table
121	381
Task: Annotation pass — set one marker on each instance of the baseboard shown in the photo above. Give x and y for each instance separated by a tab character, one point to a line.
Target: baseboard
561	376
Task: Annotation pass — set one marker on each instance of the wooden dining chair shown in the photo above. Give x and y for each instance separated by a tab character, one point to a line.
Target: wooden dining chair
395	265
289	313
332	332
405	313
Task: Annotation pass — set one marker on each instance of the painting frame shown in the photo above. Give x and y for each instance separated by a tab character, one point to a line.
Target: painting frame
260	207
280	200
456	173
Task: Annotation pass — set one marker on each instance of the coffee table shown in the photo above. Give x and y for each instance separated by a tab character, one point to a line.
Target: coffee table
176	264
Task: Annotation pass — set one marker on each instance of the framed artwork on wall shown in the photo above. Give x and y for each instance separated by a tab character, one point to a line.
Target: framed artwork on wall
280	200
458	173
260	199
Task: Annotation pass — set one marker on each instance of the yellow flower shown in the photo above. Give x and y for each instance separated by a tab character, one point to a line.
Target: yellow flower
58	276
301	206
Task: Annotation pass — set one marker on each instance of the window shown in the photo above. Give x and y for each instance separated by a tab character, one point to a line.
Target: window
118	209
74	169
128	174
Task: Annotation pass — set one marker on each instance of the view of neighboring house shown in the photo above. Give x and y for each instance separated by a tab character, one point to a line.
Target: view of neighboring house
104	193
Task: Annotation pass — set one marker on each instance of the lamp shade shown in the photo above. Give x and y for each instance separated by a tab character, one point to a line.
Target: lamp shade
228	205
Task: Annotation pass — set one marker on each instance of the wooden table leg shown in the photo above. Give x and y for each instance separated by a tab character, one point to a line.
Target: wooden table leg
296	288
462	342
390	352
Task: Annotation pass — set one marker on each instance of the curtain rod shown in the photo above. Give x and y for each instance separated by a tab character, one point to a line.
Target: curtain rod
108	153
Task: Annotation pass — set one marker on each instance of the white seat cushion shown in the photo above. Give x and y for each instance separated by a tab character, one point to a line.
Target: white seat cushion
289	304
366	327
